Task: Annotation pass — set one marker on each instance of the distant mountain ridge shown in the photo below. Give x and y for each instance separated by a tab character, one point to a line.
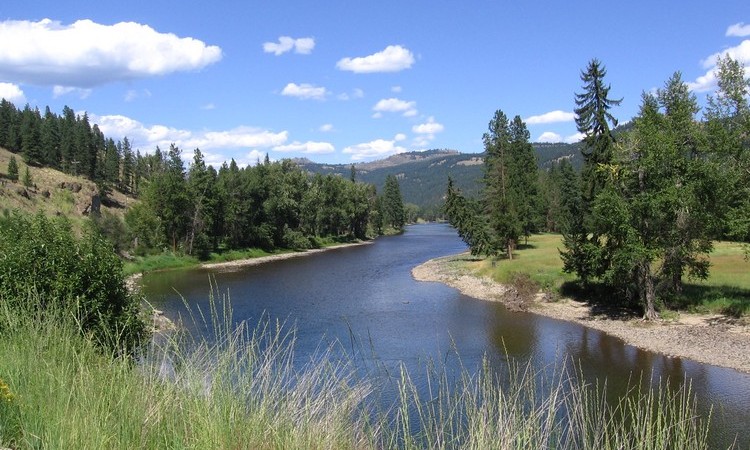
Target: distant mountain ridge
423	176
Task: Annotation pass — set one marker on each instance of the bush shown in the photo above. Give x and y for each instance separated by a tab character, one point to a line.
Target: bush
82	277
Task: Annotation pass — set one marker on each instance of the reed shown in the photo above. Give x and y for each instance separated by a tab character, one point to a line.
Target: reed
244	387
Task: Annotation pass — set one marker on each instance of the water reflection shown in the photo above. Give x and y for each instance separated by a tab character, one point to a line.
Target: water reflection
365	299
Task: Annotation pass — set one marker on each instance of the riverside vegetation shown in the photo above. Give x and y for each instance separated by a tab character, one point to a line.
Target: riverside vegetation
78	370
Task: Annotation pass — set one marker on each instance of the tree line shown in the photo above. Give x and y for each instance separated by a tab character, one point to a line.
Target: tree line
199	209
271	205
643	212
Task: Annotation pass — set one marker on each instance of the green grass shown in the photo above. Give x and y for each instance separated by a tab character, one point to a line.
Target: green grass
540	259
169	260
241	390
726	291
161	261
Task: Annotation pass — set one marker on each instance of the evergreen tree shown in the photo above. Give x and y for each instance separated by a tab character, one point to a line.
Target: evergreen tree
593	119
31	140
27	181
393	204
51	139
500	199
728	124
13	169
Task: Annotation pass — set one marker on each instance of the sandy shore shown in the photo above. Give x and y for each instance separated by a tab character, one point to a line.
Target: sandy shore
710	339
264	259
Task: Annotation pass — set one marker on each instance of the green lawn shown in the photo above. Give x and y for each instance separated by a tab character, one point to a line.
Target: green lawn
726	291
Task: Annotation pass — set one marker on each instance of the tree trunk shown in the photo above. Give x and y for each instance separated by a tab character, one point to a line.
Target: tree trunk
510	249
647	291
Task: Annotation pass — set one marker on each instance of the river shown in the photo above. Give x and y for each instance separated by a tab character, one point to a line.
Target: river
364	298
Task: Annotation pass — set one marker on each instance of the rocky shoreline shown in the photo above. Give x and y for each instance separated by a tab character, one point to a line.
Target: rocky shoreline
711	339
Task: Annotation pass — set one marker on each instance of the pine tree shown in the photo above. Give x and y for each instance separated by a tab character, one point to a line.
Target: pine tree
393	204
593	119
13	169
27	181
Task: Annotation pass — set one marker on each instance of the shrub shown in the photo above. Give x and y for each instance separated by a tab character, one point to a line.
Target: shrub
82	277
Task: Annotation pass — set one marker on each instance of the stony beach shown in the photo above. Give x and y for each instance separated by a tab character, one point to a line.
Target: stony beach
711	339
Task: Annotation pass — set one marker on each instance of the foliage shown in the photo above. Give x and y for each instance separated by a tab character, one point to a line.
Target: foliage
80	277
510	203
26	180
13	169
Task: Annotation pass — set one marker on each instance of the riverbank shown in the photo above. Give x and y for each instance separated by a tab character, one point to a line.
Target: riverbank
264	259
711	339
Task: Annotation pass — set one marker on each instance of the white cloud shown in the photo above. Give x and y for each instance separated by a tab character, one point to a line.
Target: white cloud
393	59
429	128
377	148
408	109
12	93
304	91
549	137
356	93
738	30
551	117
707	81
59	91
426	132
573	138
309	147
252	158
396	89
399	137
326	128
208	107
87	54
302	46
148	137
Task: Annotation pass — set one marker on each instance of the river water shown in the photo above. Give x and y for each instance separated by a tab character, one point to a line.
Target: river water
364	298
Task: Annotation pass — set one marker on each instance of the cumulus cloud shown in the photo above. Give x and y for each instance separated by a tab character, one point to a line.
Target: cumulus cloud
395	105
12	93
326	128
87	54
304	91
149	136
309	147
378	148
551	117
549	137
302	46
393	59
707	81
430	127
738	30
573	138
426	132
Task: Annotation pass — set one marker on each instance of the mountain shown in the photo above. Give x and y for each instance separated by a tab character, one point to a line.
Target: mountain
423	176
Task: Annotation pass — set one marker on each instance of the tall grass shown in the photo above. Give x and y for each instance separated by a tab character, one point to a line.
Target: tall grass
246	388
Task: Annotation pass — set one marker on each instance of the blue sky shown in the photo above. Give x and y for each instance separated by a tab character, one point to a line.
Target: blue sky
346	81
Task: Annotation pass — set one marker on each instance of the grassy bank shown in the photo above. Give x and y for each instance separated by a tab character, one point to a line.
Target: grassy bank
726	291
170	260
241	390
